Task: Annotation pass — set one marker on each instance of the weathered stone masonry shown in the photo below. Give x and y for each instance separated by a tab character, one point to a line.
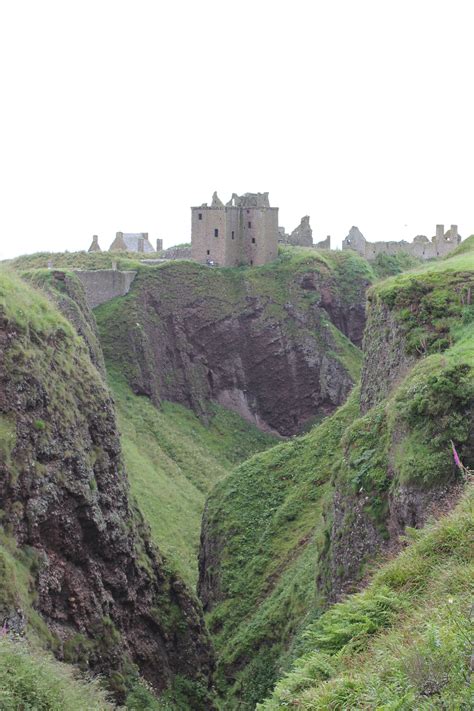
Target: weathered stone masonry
441	244
105	284
244	231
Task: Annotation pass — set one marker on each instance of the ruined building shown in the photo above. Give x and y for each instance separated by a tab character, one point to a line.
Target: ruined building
128	242
441	244
243	231
131	242
302	236
95	244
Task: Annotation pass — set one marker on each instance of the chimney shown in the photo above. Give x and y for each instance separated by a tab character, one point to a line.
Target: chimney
159	245
439	232
141	243
95	240
454	234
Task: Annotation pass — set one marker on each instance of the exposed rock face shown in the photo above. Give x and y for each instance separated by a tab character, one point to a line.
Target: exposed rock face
385	359
195	335
64	494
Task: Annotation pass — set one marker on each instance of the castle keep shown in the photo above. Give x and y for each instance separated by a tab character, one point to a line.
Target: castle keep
244	231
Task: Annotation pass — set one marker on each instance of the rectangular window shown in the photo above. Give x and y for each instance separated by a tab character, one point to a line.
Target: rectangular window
216	232
253	240
250	224
208	251
199	215
233	234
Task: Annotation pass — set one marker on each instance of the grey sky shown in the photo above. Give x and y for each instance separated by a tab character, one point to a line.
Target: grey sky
121	115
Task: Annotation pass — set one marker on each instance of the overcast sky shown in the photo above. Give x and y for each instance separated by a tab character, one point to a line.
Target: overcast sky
120	115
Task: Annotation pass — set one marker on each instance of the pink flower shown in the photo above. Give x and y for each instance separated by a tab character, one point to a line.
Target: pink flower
457	461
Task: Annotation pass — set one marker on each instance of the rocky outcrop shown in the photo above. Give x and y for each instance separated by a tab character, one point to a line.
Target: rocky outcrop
106	595
385	360
262	348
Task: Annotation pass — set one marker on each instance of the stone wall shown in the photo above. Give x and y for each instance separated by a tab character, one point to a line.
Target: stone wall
303	234
105	284
182	251
423	248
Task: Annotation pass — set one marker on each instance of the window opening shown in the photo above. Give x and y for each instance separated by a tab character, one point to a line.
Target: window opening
253	240
216	232
200	215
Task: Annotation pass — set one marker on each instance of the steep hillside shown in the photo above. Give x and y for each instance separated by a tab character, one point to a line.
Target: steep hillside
274	343
406	641
99	594
296	527
173	460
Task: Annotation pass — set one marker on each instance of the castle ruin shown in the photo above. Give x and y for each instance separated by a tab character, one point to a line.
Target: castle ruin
302	236
440	244
244	231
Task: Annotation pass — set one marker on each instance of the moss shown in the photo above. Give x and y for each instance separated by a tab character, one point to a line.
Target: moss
7	437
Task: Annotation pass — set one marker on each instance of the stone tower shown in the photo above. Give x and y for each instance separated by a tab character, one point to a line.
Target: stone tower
242	232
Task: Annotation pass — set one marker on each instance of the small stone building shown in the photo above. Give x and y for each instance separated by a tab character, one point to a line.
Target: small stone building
244	231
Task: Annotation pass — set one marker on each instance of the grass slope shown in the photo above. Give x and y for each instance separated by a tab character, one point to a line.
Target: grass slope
272	516
403	643
267	513
173	460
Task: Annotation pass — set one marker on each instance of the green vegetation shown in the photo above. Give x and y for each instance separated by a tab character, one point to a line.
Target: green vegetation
267	514
164	298
77	260
271	520
173	459
385	265
49	366
29	309
466	246
7	438
30	679
403	643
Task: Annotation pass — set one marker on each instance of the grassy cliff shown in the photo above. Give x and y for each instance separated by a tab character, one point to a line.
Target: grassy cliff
277	344
405	642
80	575
173	460
298	526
